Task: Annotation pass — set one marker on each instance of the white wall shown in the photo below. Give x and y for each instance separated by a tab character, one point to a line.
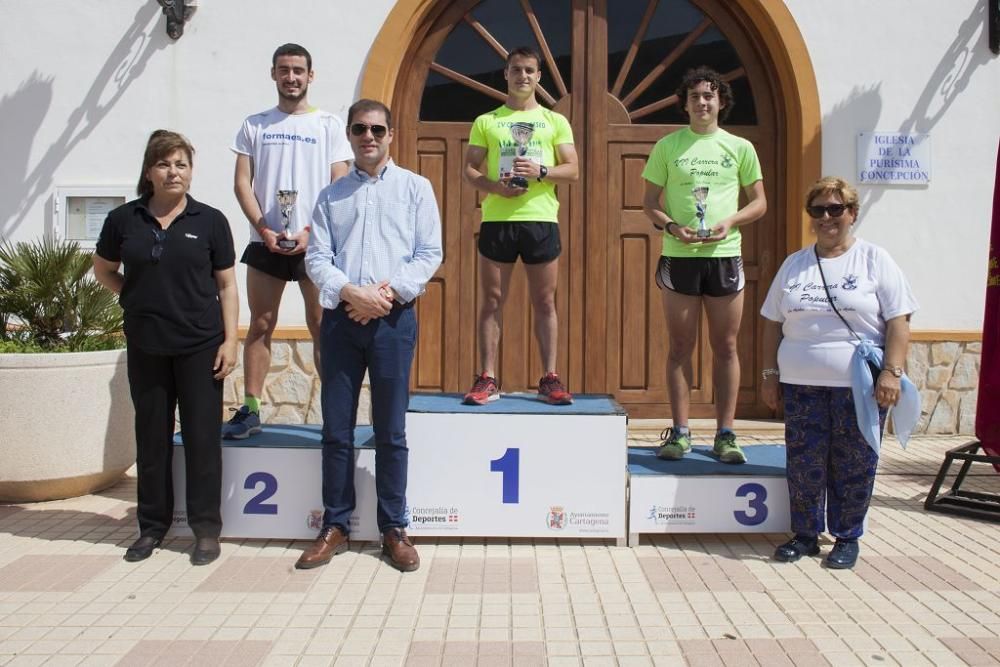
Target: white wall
83	84
919	66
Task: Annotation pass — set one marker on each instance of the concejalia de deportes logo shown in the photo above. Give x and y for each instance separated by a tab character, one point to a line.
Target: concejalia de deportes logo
445	517
681	514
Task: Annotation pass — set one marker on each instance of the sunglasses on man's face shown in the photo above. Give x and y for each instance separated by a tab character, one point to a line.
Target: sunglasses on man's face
157	249
378	131
833	210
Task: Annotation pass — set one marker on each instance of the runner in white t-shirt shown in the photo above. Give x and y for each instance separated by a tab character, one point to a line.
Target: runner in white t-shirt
292	147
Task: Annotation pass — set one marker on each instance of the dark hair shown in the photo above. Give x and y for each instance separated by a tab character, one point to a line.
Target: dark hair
291	49
523	52
161	144
363	105
702	74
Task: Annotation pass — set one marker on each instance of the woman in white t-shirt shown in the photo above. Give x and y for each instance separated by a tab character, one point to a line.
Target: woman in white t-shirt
807	359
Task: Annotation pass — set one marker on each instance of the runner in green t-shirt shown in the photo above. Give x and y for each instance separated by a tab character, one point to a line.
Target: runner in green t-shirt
693	181
527	150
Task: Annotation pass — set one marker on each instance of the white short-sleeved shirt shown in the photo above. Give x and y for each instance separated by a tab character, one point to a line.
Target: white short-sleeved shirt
291	152
868	288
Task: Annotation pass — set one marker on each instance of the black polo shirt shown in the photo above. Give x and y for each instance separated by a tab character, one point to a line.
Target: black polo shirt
171	301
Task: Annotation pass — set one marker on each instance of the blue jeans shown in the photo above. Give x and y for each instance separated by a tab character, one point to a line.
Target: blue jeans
384	347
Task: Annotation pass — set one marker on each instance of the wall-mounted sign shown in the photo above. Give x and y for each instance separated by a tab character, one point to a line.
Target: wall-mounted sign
894	158
80	210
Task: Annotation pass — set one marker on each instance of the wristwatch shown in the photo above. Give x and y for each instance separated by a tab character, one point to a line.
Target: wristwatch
543	171
897	371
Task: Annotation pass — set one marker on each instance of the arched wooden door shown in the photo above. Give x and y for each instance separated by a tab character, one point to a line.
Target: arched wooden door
611	67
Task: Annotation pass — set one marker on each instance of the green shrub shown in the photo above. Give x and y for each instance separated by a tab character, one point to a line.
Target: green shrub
51	302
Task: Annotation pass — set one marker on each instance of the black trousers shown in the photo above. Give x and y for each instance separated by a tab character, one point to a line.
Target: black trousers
159	384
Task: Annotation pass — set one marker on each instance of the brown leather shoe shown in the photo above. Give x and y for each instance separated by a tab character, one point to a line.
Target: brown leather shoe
330	542
401	552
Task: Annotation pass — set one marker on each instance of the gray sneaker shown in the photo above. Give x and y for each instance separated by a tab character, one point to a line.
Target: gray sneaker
243	424
675	445
726	449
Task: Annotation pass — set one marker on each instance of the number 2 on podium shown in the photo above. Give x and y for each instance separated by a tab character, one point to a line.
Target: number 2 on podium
256	505
509	466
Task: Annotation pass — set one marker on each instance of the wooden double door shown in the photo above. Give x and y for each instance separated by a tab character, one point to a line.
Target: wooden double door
612	68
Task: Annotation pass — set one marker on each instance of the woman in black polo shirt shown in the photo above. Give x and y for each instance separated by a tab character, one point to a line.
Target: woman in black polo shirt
179	295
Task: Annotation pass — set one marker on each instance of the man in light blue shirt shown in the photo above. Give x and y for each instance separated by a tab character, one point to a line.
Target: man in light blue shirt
375	243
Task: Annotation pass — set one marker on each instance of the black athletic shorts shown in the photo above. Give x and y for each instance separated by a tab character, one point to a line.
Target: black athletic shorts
701	276
284	267
535	242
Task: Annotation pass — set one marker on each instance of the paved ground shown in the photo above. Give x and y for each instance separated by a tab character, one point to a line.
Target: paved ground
926	592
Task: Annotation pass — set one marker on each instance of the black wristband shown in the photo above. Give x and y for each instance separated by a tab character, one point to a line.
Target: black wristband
667	228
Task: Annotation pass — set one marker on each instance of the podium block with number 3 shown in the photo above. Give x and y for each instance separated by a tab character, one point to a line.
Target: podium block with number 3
701	495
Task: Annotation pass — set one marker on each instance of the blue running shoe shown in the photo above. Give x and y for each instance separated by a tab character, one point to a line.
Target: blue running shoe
243	424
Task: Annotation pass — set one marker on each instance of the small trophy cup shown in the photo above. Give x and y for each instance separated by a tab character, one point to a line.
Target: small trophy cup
286	201
700	194
521	133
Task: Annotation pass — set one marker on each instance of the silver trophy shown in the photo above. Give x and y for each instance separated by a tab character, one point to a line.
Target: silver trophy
700	194
521	133
286	202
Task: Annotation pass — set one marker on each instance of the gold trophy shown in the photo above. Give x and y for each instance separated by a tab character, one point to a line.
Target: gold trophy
700	194
286	202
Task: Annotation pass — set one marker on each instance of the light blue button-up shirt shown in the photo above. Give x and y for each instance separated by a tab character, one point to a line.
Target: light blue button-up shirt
368	229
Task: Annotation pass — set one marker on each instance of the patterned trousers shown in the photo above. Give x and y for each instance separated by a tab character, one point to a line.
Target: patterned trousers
830	465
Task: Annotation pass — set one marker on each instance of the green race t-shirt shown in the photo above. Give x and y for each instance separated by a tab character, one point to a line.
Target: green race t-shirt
533	134
722	162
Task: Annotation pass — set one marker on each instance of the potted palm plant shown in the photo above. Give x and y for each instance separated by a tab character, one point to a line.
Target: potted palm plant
67	428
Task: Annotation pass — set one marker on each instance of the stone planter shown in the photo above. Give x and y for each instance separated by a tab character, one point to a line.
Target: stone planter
68	425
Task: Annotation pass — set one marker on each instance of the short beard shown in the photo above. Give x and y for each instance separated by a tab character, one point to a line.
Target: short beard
293	98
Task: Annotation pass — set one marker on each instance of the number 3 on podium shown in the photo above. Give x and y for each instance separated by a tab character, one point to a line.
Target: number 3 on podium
755	503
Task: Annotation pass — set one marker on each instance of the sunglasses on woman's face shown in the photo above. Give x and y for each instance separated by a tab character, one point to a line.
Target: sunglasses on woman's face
833	210
378	131
157	249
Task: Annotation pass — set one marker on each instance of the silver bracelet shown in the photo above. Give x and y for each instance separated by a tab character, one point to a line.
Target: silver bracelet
768	372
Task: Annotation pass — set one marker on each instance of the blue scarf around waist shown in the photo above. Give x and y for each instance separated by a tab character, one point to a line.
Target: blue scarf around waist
905	414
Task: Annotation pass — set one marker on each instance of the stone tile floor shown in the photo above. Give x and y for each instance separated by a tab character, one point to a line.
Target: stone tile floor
926	592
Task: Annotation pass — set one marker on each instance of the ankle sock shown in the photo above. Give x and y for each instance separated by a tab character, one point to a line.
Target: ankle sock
682	430
253	403
723	431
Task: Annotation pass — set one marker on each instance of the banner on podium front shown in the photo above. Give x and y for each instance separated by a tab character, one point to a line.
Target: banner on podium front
277	493
702	504
517	475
